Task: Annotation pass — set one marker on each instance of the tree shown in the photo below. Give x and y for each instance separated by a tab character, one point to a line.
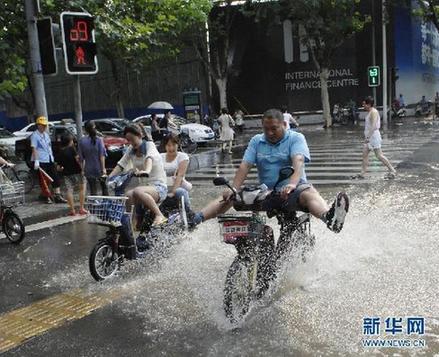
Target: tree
14	69
429	11
326	25
135	34
218	52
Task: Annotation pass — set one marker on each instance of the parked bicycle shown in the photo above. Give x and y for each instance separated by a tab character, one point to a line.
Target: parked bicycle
14	175
109	253
259	259
11	194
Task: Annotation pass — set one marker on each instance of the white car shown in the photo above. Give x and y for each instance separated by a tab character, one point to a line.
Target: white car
198	133
29	129
7	142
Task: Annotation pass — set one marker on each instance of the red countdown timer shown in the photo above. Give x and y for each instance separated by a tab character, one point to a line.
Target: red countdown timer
79	32
79	45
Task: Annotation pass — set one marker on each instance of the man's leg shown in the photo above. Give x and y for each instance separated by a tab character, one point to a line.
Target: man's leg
380	156
365	163
315	203
333	216
212	210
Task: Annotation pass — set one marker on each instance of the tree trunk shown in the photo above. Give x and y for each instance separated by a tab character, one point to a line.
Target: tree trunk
221	83
324	76
118	89
119	105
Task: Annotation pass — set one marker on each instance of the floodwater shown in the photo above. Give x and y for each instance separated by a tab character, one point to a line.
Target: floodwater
383	264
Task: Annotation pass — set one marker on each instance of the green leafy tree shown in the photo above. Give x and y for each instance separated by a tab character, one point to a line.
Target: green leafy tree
325	26
429	11
135	34
14	69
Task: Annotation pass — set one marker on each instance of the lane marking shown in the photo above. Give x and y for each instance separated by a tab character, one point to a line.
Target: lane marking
20	325
51	223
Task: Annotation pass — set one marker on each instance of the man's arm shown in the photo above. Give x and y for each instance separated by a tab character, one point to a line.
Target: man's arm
298	161
241	174
238	180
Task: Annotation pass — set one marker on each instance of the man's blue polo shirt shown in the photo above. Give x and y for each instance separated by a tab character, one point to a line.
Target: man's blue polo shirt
270	158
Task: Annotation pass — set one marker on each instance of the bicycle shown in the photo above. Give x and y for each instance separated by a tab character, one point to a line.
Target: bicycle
259	259
109	253
11	194
14	175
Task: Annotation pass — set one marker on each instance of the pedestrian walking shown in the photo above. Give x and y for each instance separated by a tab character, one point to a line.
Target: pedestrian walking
239	121
373	140
226	123
289	121
92	159
155	128
69	165
42	157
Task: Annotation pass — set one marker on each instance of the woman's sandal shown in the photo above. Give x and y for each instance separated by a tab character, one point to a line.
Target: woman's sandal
390	176
160	224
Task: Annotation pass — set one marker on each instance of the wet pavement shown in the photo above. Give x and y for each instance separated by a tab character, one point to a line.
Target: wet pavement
384	263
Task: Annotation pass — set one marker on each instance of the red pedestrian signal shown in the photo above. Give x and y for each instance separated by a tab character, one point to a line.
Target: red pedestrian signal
77	30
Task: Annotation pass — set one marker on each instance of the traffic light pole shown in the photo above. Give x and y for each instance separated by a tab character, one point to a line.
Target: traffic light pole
78	105
384	63
35	59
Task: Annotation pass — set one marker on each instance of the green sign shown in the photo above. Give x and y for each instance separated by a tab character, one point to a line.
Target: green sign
373	76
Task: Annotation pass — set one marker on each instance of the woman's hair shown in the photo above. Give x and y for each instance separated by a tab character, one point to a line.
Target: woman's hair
66	139
133	129
369	101
90	128
171	138
224	111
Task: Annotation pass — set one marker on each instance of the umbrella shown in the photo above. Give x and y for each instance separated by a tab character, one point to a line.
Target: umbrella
161	106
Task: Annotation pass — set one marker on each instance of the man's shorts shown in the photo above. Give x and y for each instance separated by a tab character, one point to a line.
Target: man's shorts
71	182
291	204
375	141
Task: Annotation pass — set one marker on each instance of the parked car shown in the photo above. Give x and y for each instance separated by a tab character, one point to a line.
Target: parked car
115	146
198	133
30	128
108	126
8	142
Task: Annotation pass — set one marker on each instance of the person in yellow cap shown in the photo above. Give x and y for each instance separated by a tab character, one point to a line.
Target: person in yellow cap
42	156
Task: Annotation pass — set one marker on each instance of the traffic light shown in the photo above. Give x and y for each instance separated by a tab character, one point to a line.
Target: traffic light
394	74
47	46
373	76
77	30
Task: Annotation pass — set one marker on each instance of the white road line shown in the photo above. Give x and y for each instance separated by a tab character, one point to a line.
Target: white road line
51	223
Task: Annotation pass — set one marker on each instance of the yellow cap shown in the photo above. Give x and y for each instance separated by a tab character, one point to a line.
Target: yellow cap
41	121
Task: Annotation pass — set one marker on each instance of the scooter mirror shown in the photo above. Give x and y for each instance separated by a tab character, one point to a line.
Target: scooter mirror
220	181
285	172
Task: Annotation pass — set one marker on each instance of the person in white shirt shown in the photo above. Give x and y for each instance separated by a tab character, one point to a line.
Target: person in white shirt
373	140
176	164
143	157
226	134
289	120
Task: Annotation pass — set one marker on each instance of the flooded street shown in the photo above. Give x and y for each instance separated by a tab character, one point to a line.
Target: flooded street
383	264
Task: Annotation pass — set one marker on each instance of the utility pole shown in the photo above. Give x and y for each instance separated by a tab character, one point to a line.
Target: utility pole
374	90
35	59
384	11
78	105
